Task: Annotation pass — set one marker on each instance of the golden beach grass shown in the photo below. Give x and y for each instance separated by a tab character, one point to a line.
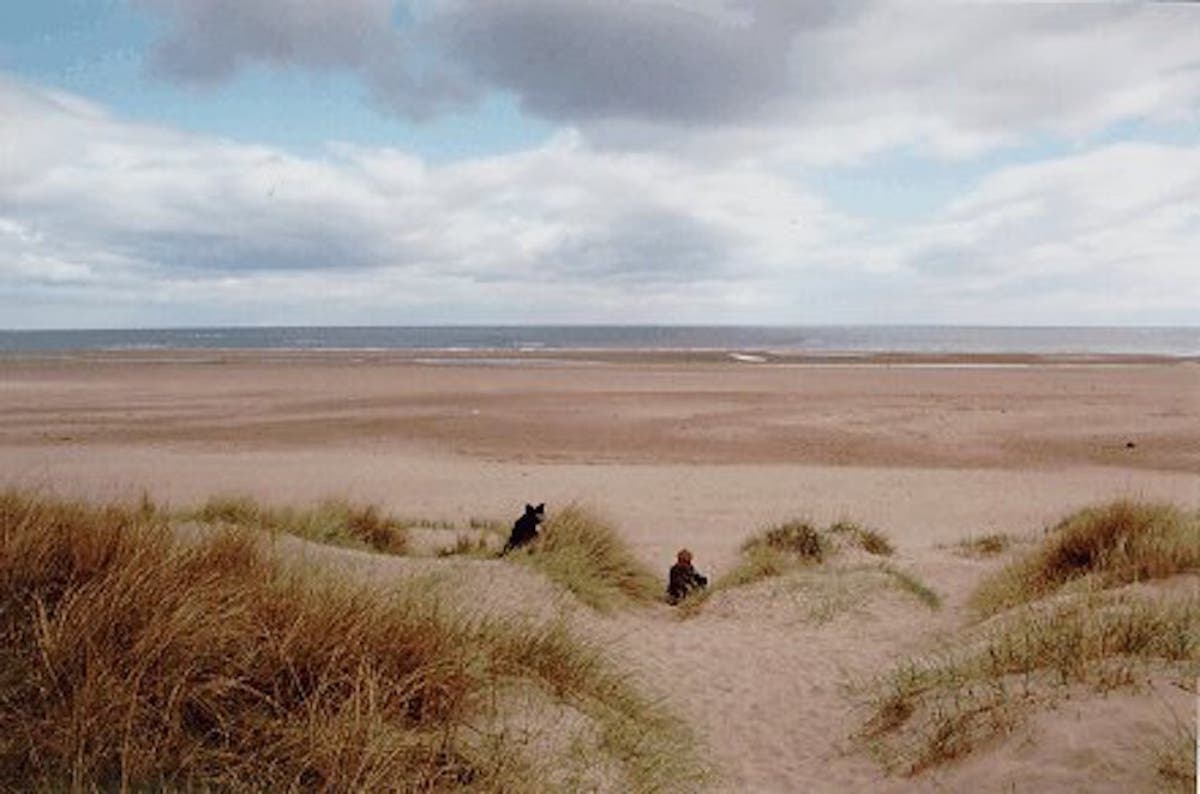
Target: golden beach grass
798	544
1113	544
334	521
132	659
582	552
933	709
987	545
1065	614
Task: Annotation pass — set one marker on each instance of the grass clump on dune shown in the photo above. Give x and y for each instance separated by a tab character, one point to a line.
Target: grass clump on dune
793	545
468	546
1105	546
1175	760
1055	622
869	540
987	545
798	538
935	709
131	660
783	547
332	521
912	584
772	552
583	553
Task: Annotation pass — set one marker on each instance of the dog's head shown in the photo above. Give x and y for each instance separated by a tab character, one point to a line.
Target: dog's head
536	513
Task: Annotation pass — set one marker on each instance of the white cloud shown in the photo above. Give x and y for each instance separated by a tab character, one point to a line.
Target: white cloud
162	216
1108	235
104	221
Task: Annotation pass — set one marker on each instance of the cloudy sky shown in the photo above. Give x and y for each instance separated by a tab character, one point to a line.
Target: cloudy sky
280	162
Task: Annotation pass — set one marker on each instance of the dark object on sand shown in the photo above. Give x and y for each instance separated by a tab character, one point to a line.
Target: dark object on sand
1130	445
683	578
525	529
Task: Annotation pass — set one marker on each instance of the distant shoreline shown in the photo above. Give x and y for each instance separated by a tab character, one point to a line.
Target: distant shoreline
546	356
804	343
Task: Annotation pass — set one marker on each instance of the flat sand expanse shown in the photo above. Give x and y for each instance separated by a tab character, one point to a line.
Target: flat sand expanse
678	450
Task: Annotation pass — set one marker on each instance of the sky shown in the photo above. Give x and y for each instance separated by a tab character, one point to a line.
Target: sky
425	162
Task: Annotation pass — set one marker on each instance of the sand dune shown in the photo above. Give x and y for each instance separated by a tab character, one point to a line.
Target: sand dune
697	453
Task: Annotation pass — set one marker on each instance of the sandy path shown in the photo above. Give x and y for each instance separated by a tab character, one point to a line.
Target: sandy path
766	695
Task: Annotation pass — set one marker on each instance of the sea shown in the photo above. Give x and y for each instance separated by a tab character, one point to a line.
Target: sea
1175	341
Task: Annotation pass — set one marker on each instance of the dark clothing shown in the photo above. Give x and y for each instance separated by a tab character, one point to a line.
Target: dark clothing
683	579
525	530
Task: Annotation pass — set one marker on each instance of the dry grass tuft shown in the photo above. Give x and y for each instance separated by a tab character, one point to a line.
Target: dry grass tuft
467	546
583	553
820	593
985	545
130	660
784	547
831	591
798	538
911	583
773	552
869	540
797	545
1105	546
473	523
1062	629
935	709
1175	760
333	521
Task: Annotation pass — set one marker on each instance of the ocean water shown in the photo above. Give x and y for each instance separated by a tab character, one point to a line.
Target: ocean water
860	339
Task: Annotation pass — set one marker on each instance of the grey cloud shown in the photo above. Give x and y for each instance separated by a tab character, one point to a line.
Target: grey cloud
643	247
213	228
582	61
213	253
651	59
209	42
972	73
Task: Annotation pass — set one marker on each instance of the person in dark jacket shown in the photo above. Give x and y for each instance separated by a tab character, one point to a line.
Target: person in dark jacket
683	578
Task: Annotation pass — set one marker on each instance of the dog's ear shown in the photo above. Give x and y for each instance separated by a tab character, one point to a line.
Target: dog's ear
528	508
541	508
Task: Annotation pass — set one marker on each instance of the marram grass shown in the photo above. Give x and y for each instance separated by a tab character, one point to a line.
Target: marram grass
1106	546
332	521
1062	615
795	545
132	660
582	552
987	545
933	709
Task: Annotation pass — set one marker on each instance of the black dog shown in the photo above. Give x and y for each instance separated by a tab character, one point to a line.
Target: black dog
525	529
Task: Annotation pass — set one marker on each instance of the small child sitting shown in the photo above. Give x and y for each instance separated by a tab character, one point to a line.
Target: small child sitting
683	578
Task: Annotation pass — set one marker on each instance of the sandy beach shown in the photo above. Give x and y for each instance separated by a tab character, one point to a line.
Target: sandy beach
699	450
